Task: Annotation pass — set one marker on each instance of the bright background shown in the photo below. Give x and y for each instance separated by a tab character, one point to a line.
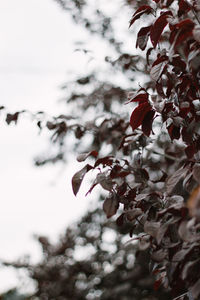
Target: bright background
36	57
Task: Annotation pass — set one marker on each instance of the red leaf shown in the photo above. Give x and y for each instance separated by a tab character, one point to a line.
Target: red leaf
138	115
157	284
12	118
139	12
91	189
183	8
158	27
105	161
178	63
141	98
78	178
159	88
84	156
181	31
148	54
147	122
120	220
122	189
190	151
142	37
110	206
174	132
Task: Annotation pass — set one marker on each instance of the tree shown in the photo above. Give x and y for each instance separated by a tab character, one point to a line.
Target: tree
91	261
146	161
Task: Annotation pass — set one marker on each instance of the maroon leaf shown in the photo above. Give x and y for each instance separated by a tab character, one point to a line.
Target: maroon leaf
158	27
159	88
157	284
190	151
181	31
174	132
110	206
84	156
141	98
138	115
120	220
12	118
91	189
105	161
183	8
147	122
78	178
142	37
122	189
148	54
178	63
139	12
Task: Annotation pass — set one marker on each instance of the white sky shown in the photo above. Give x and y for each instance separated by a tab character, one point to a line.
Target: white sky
36	56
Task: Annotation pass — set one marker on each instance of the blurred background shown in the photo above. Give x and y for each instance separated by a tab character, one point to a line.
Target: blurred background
36	56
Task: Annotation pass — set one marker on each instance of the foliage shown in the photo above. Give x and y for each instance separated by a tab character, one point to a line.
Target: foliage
91	261
147	161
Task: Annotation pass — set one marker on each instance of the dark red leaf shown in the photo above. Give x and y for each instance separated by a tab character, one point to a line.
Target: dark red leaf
178	63
142	37
78	178
183	8
174	132
141	98
159	88
158	27
105	161
91	189
181	31
139	12
120	220
110	206
122	189
190	151
147	122
138	115
12	118
84	156
148	54
157	284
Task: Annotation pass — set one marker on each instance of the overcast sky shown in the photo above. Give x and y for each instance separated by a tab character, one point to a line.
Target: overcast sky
36	57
